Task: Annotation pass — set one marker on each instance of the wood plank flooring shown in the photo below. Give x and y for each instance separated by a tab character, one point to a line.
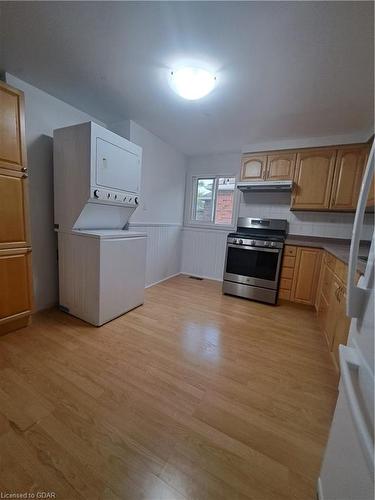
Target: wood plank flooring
194	395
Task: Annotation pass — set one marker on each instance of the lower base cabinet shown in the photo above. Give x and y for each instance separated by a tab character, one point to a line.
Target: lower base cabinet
314	277
300	274
331	305
306	275
15	289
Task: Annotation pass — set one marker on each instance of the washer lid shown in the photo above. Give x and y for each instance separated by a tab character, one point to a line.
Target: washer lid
108	233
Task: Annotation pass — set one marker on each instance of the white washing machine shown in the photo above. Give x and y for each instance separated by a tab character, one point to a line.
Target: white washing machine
102	273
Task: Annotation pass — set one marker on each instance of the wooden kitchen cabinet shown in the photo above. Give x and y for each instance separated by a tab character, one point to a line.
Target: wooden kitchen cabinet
287	271
253	167
12	128
331	304
313	179
15	279
342	324
325	179
280	166
14	228
349	168
306	275
15	250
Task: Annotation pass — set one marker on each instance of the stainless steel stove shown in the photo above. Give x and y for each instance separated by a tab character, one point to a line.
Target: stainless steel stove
253	259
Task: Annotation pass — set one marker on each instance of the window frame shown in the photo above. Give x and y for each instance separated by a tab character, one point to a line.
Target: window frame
190	206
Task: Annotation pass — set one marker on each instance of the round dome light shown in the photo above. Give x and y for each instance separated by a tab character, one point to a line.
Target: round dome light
192	83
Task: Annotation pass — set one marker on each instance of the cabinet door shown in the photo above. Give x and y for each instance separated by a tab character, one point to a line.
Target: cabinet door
280	166
253	167
13	209
306	275
12	132
331	320
322	313
350	164
342	324
313	179
15	279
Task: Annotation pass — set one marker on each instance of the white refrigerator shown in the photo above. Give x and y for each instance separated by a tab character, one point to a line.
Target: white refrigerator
348	466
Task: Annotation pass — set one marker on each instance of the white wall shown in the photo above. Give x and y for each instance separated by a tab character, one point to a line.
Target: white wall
160	213
203	252
163	179
43	114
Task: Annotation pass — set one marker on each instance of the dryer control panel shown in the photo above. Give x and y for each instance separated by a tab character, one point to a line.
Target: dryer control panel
115	197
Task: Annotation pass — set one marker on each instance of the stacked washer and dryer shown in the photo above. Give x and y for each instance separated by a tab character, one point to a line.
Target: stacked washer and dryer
102	265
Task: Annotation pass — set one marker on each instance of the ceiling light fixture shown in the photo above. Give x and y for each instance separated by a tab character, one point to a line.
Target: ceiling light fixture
192	83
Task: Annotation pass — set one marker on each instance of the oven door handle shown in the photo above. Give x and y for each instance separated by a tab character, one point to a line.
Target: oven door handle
257	249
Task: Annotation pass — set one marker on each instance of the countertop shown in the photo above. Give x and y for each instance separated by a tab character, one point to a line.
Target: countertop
340	248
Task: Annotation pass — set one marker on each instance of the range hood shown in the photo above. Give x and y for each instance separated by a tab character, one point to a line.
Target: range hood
265	186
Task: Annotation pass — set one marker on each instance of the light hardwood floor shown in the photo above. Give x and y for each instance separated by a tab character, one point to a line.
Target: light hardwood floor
194	395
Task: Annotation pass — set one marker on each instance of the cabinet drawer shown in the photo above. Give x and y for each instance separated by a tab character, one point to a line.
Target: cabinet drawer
290	250
287	272
284	294
289	261
285	284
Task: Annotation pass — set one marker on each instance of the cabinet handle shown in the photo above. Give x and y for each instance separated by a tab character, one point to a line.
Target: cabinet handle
24	176
24	169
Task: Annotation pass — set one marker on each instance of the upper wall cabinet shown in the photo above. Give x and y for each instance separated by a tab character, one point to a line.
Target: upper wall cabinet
313	179
253	167
325	179
275	166
12	133
280	166
350	164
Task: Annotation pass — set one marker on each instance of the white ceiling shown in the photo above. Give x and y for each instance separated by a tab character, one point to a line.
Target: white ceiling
284	69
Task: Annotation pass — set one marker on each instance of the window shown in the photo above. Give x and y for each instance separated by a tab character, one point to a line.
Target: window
213	200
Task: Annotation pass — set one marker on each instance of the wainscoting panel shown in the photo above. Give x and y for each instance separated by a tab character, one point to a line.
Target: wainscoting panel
163	258
203	252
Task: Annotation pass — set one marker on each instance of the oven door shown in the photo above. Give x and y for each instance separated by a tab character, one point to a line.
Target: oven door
253	265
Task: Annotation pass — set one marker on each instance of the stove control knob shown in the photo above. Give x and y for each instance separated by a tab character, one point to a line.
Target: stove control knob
96	193
252	242
266	244
136	200
272	244
240	242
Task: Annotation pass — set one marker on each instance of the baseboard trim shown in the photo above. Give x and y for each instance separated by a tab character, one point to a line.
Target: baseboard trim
201	276
161	281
